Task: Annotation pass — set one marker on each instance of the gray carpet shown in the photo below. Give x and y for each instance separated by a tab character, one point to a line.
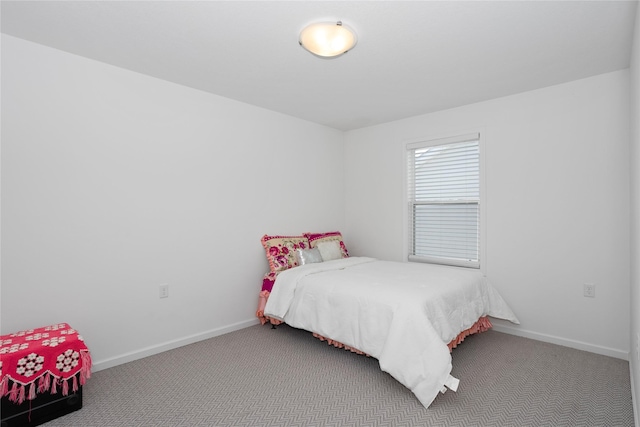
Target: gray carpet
284	377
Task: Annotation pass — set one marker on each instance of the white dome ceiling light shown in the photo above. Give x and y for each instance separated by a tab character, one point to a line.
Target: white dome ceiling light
327	39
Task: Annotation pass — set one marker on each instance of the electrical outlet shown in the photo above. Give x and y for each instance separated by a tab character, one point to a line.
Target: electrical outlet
589	290
164	291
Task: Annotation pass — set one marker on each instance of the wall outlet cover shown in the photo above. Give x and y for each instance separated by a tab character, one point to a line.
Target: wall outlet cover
589	290
164	291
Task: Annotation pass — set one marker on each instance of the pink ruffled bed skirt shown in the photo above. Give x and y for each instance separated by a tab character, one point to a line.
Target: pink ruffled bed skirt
262	301
482	324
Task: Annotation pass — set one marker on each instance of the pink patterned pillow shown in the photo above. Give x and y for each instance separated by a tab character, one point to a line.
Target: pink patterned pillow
315	238
281	250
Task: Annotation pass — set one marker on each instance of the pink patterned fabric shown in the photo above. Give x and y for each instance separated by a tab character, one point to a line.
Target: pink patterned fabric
315	238
42	360
281	250
267	284
268	280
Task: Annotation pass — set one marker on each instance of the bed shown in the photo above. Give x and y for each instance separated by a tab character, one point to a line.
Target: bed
406	315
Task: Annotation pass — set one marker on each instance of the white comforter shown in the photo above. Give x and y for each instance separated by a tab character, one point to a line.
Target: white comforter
403	314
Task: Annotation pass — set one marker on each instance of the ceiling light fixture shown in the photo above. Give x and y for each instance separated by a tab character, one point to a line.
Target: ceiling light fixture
327	39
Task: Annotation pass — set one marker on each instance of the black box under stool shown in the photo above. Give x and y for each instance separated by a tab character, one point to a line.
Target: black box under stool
45	407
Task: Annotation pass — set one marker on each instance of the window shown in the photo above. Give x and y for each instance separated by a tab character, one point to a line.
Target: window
444	201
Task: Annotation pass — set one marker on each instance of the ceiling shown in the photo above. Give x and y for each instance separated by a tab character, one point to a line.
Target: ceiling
412	57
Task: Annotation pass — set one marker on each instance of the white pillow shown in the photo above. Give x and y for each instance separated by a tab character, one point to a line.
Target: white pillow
308	256
330	250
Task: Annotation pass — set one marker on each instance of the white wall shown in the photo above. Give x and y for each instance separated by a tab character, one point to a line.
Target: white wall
634	73
114	183
557	203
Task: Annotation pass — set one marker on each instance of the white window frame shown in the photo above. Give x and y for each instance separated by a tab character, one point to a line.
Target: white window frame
408	218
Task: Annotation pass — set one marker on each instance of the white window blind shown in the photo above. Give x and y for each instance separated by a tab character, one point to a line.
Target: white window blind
444	201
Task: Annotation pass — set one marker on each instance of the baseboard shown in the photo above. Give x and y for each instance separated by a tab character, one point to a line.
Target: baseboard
634	395
169	345
579	345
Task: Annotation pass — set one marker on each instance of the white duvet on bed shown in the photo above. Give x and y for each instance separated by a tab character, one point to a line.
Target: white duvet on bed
403	314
